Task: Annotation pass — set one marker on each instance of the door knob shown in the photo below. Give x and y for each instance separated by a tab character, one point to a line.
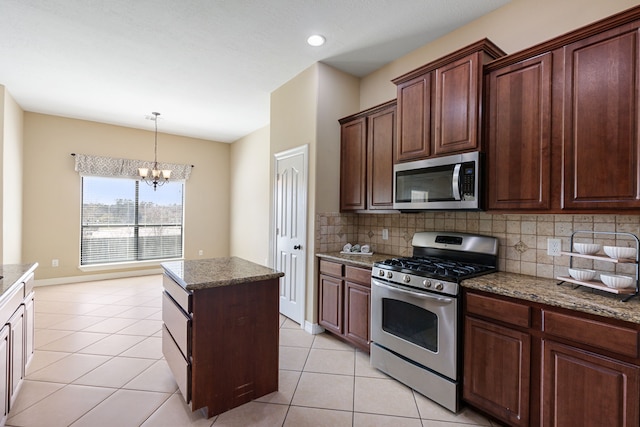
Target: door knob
297	247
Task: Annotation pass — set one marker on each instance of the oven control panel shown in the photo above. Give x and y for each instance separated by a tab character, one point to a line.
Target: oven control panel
415	281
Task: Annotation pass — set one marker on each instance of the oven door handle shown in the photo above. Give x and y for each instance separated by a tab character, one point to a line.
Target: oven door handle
414	294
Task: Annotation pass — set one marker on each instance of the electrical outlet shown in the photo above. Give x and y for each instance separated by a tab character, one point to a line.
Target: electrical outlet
385	234
554	247
200	252
54	263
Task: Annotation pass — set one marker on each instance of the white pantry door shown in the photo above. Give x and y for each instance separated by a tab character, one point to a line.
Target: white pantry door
291	230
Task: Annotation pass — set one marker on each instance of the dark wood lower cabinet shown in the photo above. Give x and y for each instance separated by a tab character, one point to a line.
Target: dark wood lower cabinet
331	290
221	343
497	370
344	301
357	313
529	364
582	388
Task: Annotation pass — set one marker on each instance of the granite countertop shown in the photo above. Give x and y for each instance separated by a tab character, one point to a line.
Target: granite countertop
529	288
13	274
215	272
547	291
365	261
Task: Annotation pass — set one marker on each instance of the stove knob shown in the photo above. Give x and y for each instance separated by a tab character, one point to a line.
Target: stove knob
426	283
381	273
389	274
439	286
406	278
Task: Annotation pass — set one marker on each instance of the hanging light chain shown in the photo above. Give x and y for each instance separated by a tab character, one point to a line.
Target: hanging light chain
157	177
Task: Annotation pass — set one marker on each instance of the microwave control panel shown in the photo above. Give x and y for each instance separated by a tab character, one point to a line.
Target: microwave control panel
468	181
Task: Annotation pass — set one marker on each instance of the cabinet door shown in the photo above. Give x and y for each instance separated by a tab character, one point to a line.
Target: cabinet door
17	347
584	389
457	99
330	303
29	326
4	373
357	314
519	132
497	370
353	165
601	119
414	119
380	143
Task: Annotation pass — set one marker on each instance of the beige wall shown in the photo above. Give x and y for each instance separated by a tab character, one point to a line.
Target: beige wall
250	197
516	26
337	97
306	110
12	181
293	123
52	195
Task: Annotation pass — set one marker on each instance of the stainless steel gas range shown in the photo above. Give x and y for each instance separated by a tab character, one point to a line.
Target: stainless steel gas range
416	310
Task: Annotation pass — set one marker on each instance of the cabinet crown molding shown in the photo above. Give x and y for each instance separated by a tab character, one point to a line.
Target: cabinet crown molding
613	21
485	45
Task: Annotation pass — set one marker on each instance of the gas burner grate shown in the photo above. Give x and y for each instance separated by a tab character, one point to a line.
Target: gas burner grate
437	266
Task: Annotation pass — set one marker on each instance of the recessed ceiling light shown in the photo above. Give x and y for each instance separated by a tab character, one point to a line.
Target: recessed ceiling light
316	40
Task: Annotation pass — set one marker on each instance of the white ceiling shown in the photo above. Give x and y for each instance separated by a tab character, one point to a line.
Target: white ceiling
208	66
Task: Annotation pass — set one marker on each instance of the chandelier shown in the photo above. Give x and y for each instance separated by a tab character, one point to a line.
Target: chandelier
155	176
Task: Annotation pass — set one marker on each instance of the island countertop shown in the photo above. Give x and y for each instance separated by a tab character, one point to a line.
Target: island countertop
13	274
215	272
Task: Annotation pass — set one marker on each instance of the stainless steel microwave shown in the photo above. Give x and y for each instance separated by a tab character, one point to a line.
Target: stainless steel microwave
442	183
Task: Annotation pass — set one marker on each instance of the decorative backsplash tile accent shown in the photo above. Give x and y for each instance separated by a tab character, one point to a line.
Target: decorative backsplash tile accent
523	238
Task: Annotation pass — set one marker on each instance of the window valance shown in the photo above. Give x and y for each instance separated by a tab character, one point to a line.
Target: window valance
124	168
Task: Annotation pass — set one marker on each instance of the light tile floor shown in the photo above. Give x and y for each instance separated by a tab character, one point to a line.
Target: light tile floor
98	362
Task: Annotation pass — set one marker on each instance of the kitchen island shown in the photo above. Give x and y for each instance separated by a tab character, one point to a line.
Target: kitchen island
220	332
17	330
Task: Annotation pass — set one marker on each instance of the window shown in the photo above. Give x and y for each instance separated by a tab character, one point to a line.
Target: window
124	220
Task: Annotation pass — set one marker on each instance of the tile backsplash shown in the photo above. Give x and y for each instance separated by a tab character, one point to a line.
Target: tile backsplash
523	238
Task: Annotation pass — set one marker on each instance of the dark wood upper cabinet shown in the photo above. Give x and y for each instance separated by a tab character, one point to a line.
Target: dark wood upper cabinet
414	118
519	135
439	104
563	119
381	136
366	159
601	168
457	105
353	164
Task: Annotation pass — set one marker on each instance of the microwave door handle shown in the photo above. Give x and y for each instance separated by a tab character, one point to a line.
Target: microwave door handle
456	181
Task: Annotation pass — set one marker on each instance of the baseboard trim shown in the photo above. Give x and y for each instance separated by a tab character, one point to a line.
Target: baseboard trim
313	328
94	277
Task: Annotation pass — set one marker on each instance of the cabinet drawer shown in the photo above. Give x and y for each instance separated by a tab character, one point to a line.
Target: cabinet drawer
591	332
331	268
28	284
10	301
358	275
504	311
178	324
178	293
178	365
